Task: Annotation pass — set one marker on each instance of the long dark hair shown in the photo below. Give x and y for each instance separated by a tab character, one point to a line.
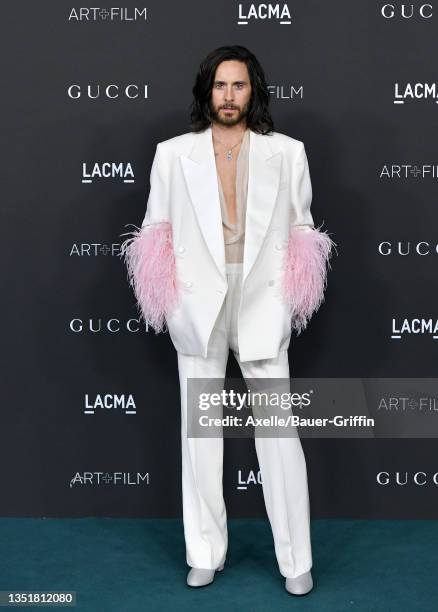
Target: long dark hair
259	117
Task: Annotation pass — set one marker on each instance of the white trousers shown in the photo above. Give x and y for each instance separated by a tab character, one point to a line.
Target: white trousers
281	459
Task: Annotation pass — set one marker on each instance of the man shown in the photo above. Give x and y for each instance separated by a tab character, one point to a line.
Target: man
228	257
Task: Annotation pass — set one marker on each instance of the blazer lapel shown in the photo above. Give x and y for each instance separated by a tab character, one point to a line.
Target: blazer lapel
263	184
201	178
200	172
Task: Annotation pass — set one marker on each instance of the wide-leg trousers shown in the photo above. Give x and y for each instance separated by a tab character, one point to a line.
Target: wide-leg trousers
281	459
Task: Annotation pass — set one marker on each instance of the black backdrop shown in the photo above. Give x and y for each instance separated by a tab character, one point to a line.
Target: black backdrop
338	74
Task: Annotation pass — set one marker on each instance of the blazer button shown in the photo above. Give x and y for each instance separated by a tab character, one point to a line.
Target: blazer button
188	283
181	249
279	246
271	283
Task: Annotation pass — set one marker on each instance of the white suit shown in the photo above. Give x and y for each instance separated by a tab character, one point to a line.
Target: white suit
176	264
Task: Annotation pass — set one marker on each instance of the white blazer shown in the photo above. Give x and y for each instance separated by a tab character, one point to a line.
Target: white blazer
176	260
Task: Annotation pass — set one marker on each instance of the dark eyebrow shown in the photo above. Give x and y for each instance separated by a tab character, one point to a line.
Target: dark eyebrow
218	81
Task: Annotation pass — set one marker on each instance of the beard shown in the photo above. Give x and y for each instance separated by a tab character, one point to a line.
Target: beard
217	114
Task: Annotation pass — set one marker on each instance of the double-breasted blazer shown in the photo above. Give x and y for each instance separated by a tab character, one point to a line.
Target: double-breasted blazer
176	259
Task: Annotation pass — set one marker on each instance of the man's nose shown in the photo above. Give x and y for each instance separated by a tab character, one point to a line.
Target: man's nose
228	94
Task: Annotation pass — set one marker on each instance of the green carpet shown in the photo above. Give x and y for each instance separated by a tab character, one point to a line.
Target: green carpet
130	565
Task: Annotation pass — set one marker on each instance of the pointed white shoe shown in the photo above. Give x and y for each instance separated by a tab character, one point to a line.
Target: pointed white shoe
300	585
198	577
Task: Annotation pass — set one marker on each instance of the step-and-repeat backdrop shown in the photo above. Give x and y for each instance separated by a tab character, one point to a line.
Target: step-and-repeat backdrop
91	408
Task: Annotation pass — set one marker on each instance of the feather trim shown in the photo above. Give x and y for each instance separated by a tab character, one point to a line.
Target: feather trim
307	254
150	261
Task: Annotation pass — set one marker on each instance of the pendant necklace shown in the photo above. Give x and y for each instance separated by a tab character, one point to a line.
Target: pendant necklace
229	154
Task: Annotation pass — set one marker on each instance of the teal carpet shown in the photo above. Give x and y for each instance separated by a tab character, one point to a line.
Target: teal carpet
130	565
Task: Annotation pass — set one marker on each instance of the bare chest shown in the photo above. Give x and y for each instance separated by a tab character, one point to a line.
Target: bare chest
227	171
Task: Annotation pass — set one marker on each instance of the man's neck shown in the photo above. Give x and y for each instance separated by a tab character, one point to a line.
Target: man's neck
229	134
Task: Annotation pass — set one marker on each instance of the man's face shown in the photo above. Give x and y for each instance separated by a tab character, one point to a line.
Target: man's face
231	93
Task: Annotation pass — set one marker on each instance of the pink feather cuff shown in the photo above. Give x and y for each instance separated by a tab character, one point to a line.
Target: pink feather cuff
150	261
305	265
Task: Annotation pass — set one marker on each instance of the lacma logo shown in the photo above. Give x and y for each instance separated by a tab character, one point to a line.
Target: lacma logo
414	327
415	91
264	12
103	170
109	401
245	480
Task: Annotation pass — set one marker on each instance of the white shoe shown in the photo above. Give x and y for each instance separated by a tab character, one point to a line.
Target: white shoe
300	585
198	577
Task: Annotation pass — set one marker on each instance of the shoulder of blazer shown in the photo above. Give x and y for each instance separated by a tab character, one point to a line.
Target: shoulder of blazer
286	143
178	145
182	144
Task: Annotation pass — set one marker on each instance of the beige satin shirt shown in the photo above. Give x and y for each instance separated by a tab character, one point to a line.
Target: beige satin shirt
234	233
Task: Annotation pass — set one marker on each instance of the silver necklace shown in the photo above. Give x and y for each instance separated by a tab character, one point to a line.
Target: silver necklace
229	154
